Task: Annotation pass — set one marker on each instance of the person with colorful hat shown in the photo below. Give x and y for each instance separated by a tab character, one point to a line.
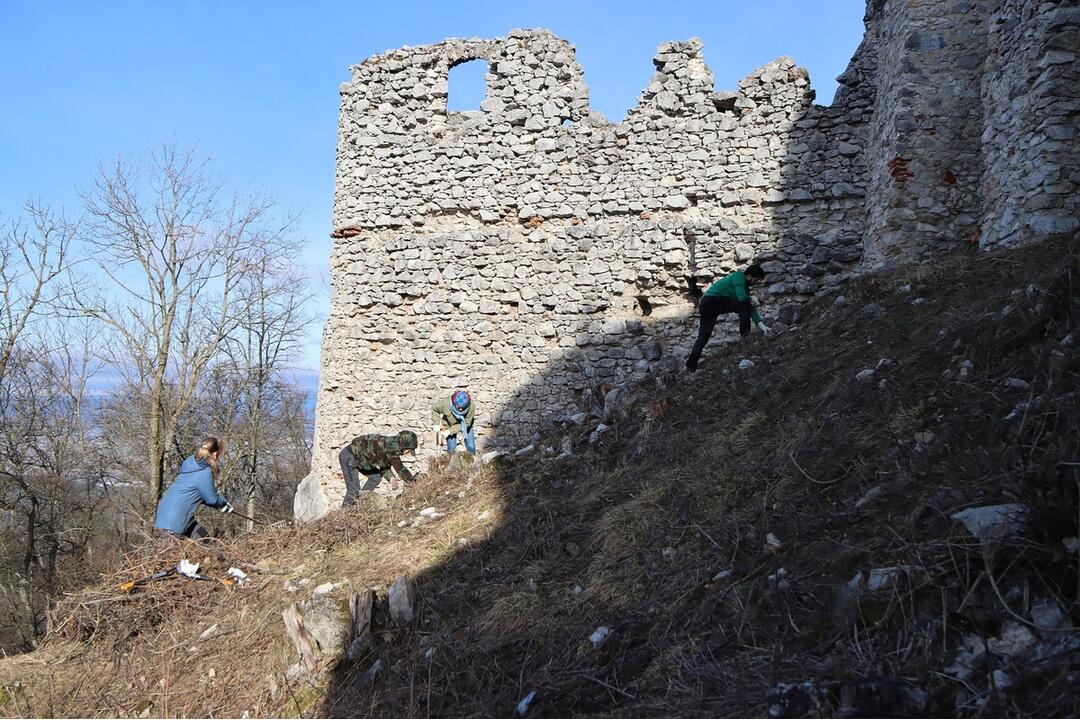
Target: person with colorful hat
453	415
374	456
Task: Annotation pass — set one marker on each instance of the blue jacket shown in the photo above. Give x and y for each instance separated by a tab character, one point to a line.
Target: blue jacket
194	485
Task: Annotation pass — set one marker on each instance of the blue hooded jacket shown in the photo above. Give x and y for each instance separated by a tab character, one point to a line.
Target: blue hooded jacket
194	485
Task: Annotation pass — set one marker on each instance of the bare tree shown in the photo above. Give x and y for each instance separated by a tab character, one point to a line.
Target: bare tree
267	436
267	336
33	253
174	255
51	475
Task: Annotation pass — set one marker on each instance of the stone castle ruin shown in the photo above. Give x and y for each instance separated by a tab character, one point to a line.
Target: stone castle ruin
534	251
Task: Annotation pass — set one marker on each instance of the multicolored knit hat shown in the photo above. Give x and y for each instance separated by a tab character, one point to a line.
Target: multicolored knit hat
461	400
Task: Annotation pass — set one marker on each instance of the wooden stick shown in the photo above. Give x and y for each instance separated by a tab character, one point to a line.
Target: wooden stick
360	607
302	640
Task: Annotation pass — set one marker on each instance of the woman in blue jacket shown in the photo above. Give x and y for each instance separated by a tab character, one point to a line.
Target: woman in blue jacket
194	486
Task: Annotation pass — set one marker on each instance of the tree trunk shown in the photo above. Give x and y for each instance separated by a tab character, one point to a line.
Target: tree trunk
28	567
251	490
156	444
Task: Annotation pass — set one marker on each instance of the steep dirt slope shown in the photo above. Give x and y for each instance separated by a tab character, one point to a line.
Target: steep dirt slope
776	539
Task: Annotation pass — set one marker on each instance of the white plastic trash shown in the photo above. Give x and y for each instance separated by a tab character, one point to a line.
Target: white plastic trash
188	568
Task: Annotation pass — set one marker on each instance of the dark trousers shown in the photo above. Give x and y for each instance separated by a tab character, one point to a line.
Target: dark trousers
351	471
710	308
194	530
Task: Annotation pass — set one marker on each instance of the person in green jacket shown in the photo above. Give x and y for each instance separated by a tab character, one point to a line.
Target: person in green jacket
454	414
730	294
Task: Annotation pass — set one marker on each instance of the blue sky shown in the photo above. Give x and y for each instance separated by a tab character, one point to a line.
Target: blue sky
255	84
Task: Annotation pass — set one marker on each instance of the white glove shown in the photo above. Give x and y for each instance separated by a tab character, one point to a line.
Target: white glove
226	508
764	329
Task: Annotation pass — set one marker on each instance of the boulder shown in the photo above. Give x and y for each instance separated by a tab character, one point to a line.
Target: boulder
871	312
492	455
617	402
806	699
652	350
855	697
993	523
1048	615
309	502
327	619
846	609
402	600
885	578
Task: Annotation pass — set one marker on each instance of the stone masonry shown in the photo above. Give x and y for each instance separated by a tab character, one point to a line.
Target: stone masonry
532	251
973	140
1031	110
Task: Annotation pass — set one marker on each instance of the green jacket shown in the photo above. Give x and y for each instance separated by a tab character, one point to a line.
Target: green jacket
442	414
376	453
734	286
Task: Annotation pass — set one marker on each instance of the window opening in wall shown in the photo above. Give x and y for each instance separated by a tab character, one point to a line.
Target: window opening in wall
466	86
645	305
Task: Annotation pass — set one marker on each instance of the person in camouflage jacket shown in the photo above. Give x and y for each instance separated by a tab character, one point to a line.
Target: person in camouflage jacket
372	456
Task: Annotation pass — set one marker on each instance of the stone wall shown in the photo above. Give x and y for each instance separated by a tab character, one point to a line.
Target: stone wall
532	251
1031	110
973	140
926	166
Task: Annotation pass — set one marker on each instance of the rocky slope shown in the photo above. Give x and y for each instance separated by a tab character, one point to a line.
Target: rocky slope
874	513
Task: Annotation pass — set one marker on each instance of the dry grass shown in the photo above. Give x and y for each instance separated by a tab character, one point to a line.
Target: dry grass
660	535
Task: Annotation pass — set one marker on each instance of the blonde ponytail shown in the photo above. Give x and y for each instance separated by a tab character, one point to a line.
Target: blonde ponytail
208	446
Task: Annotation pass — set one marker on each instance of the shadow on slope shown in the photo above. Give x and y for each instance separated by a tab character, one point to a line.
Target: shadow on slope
719	528
718	531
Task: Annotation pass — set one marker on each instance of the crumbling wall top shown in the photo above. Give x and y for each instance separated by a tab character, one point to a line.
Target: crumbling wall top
531	74
534	82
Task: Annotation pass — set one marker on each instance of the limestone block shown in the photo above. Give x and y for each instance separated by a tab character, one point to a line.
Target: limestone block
309	502
993	523
402	601
327	619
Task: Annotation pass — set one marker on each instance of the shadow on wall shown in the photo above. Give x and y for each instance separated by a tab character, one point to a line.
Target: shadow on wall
566	517
805	228
534	261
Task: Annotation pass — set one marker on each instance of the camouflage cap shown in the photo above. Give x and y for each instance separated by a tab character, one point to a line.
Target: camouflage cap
407	440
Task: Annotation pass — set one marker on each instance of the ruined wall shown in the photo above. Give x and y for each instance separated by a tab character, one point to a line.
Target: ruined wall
973	141
925	164
533	251
1031	110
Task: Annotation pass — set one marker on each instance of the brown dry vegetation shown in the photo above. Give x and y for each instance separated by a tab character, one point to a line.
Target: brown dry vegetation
631	535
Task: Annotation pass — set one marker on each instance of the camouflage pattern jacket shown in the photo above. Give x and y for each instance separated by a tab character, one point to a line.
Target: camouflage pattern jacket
376	453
